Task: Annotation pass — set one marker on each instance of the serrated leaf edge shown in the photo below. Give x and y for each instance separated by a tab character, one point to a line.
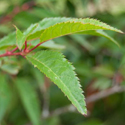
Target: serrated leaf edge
83	112
101	27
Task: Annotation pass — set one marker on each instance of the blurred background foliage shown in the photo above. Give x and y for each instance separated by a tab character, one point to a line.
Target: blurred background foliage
30	98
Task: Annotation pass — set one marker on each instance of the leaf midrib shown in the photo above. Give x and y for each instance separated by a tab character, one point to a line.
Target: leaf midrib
77	31
60	80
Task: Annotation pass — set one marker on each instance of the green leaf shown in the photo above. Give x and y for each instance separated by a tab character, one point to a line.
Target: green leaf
61	72
29	99
5	96
22	37
48	22
74	26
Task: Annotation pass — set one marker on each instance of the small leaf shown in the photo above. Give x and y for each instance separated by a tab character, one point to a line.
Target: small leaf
60	71
22	37
29	99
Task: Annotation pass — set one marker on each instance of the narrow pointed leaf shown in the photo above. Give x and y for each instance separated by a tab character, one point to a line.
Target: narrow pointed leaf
29	99
48	22
74	26
5	96
61	72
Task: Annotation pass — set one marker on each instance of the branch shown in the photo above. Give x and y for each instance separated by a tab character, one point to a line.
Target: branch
92	98
35	47
23	53
45	93
11	54
105	93
59	111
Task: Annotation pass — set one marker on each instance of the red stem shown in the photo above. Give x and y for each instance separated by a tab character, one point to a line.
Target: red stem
36	46
11	54
25	46
22	53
